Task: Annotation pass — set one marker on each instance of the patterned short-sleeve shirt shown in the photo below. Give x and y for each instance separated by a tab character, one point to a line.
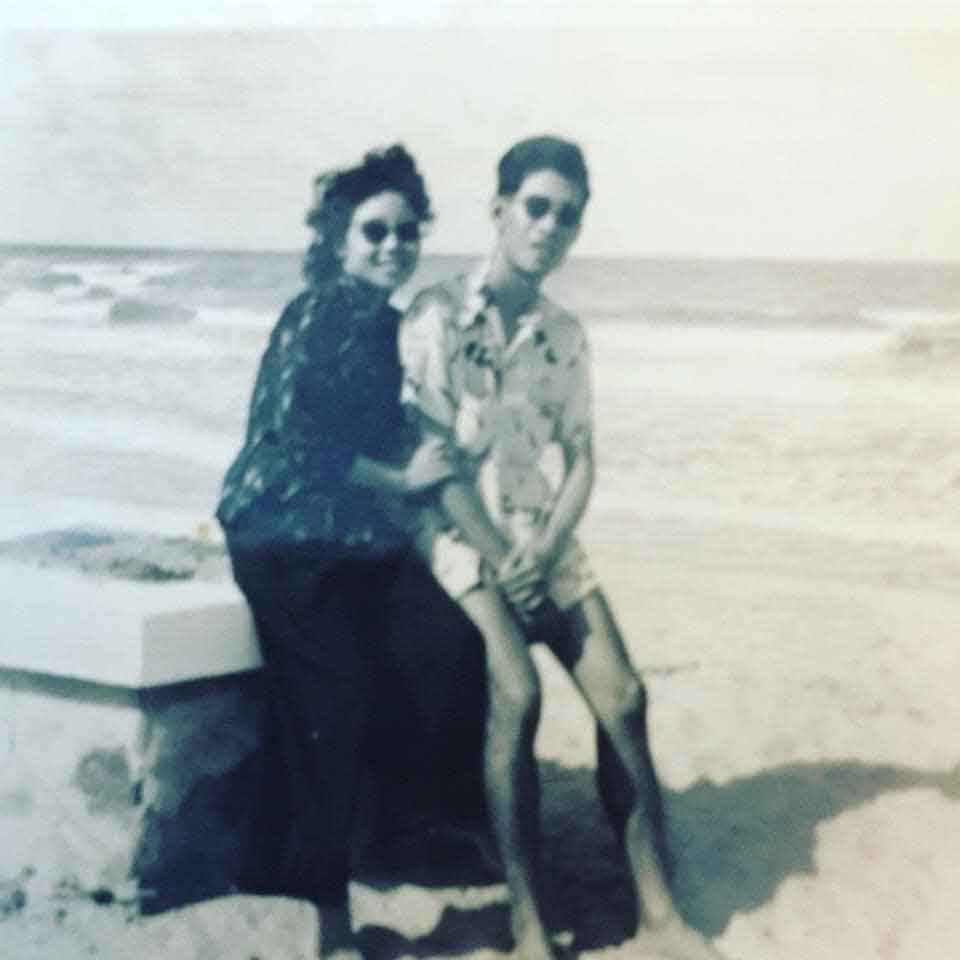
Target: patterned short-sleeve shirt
508	407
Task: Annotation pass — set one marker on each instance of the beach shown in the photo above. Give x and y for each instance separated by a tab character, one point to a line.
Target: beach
776	521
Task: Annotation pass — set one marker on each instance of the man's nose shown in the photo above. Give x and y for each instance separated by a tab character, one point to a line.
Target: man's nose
548	224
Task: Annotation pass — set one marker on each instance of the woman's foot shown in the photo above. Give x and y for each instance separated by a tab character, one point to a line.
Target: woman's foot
674	940
343	953
531	941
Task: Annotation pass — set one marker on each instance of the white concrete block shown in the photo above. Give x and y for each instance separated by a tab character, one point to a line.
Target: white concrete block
121	632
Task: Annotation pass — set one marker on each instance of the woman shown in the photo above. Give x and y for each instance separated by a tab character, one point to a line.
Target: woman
313	514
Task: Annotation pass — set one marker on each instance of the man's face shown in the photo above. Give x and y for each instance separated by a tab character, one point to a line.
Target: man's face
539	223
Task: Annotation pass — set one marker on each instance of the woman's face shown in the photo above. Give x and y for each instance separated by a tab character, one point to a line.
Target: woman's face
382	243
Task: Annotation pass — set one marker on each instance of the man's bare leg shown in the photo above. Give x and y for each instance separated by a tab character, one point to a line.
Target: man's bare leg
594	653
510	767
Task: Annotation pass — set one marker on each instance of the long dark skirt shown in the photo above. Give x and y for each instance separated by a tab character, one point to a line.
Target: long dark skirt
376	693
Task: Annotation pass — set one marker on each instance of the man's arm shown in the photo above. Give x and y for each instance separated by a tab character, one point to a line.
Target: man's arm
466	512
524	591
429	395
523	574
575	437
536	558
571	502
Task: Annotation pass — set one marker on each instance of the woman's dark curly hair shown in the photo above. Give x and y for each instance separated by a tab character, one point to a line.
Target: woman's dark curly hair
339	193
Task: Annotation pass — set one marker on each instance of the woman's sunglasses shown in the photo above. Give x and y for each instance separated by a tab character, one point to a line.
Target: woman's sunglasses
376	231
538	207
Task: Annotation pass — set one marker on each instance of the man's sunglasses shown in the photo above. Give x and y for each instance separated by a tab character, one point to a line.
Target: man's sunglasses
376	231
538	207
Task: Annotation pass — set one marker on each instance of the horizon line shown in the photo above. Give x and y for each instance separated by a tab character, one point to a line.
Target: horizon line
659	256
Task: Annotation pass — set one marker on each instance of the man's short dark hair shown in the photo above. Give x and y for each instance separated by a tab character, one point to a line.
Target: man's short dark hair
541	153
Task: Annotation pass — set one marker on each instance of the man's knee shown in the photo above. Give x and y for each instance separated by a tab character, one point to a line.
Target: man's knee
515	700
624	699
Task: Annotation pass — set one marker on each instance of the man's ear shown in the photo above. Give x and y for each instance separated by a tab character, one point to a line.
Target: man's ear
497	205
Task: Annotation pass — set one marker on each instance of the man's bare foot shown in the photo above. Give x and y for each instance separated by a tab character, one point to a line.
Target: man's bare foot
674	940
337	941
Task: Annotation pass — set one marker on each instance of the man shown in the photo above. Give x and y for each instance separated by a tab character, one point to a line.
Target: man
499	371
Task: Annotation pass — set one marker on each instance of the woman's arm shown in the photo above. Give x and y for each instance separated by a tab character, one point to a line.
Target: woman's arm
429	464
366	472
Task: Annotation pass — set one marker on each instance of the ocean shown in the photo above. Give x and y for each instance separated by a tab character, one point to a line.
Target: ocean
125	374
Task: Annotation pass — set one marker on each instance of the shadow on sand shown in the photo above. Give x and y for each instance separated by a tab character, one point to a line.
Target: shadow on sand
733	845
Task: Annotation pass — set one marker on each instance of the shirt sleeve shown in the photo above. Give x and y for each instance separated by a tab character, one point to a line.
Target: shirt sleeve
576	423
308	417
424	354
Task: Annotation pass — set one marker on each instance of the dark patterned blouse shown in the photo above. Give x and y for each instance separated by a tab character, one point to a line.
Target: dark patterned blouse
328	388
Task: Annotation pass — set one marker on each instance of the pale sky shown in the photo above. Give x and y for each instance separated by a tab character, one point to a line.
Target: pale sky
711	129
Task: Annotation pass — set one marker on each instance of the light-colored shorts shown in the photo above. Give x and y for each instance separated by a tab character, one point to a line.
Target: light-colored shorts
458	569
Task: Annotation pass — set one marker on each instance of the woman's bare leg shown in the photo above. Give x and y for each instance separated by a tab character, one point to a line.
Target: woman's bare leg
510	767
594	653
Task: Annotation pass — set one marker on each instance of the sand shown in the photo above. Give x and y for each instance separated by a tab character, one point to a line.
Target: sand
777	522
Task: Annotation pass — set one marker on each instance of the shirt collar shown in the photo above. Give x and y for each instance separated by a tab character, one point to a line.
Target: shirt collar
479	300
476	297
